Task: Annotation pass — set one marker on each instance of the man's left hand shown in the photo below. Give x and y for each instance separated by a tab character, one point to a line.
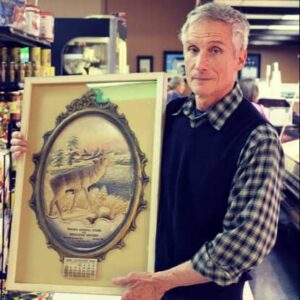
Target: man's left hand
144	286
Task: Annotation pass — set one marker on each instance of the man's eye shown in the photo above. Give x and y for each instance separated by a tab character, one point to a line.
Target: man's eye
215	50
193	49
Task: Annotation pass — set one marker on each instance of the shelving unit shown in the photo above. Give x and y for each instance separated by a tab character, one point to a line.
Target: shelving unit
10	37
5	213
15	38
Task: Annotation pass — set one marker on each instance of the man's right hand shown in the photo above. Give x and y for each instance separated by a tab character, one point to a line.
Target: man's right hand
18	144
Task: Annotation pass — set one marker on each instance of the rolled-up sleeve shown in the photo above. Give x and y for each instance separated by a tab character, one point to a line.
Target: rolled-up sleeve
250	223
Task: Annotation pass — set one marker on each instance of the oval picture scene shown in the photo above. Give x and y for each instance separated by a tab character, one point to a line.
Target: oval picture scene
89	182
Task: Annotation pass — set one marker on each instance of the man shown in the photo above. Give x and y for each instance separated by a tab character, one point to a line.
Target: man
176	88
221	173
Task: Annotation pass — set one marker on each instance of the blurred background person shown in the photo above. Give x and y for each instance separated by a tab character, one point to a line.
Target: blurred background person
176	88
250	91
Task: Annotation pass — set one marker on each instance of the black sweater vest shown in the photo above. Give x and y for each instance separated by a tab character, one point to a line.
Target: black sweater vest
198	165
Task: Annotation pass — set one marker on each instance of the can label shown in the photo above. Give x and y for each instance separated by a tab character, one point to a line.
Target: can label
35	55
46	57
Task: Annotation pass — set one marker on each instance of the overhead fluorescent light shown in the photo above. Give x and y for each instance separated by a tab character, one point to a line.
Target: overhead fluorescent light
264	43
263	17
260	3
290	17
273	37
276	27
272	17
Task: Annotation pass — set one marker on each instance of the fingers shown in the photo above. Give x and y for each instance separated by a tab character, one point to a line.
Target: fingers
18	144
17	151
18	139
121	281
130	278
17	135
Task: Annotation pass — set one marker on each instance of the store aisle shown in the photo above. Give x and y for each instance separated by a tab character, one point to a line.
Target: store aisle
277	278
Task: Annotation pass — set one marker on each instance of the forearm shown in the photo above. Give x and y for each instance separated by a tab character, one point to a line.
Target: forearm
181	275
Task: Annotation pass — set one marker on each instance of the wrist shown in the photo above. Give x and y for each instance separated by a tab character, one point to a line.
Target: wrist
164	280
181	275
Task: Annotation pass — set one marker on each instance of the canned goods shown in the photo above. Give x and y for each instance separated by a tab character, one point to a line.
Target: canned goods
4	54
46	57
32	16
35	55
15	54
47	26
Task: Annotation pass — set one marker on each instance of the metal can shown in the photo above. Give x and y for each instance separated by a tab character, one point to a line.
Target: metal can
35	55
46	57
32	17
4	54
47	26
15	54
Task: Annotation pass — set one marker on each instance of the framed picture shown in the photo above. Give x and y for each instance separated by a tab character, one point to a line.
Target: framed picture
144	63
87	188
252	67
174	63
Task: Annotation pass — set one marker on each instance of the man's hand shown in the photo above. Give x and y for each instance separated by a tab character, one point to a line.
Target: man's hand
152	286
144	286
18	144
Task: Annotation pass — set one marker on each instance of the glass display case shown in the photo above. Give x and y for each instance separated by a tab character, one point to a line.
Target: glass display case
90	56
94	45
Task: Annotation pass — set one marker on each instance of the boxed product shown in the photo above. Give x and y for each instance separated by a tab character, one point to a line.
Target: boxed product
12	13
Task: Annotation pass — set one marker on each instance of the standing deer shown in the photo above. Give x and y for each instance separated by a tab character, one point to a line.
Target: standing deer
77	180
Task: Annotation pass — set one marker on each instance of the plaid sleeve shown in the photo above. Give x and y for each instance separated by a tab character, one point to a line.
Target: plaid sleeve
250	223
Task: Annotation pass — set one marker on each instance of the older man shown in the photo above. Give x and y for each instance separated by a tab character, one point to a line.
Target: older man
221	175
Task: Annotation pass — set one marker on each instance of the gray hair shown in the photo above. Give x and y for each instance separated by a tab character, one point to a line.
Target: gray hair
249	89
174	82
220	12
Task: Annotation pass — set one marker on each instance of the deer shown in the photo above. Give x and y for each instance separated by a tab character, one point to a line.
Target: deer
76	180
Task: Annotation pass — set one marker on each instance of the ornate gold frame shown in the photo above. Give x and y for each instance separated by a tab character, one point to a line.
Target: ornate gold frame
37	259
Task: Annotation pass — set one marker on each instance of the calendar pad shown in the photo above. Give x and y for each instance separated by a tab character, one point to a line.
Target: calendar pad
79	268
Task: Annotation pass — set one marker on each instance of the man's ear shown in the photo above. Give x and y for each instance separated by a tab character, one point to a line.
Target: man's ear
242	57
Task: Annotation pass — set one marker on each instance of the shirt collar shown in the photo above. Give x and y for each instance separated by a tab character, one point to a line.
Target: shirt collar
217	115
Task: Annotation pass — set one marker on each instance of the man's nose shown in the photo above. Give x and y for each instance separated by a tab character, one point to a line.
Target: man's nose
201	60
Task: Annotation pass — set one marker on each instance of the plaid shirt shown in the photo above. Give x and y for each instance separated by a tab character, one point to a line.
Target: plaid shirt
250	223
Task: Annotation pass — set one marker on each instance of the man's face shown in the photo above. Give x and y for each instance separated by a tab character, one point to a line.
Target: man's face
211	61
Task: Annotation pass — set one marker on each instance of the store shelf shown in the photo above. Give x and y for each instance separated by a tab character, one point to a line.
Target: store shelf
10	37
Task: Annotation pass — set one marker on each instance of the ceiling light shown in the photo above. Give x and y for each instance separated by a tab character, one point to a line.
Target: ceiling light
276	27
272	17
290	17
260	3
264	43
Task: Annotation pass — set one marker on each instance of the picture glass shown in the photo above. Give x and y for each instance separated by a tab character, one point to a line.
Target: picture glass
251	68
88	182
174	63
144	65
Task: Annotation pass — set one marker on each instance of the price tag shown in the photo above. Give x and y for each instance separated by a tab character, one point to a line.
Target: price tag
80	268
